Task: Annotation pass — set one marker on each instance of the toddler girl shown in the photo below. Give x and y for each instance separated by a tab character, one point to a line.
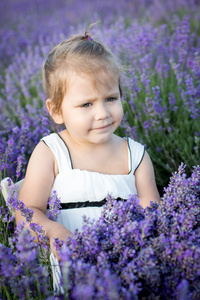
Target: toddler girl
86	161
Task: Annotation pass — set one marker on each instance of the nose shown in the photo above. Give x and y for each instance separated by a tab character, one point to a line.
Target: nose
102	112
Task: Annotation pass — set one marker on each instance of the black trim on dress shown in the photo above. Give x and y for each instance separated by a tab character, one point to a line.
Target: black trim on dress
130	155
66	148
140	161
71	205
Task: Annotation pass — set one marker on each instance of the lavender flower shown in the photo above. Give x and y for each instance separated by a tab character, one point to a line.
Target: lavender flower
151	252
54	206
129	253
19	165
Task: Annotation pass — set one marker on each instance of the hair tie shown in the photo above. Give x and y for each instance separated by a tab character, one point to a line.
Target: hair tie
89	38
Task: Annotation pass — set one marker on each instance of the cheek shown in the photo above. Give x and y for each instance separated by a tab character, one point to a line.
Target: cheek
120	112
80	120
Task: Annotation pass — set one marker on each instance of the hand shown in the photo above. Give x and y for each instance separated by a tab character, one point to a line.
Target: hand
60	232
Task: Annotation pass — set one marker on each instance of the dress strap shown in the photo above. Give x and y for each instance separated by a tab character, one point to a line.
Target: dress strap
60	151
137	151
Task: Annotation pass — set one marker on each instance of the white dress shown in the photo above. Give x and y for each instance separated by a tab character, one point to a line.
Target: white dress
84	192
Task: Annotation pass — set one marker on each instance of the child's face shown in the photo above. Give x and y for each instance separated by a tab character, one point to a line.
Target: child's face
91	110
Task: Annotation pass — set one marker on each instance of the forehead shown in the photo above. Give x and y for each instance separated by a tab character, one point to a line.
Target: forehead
84	86
97	79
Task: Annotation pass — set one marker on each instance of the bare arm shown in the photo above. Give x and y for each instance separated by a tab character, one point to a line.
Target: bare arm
145	182
36	190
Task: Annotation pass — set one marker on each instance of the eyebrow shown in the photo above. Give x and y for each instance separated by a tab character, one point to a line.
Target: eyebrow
113	94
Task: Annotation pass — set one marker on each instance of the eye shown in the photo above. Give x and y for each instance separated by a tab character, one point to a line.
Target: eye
86	105
111	99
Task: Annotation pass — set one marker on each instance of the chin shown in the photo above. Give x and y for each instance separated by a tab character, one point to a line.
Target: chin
102	140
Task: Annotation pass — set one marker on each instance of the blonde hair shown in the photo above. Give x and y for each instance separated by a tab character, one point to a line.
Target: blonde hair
81	54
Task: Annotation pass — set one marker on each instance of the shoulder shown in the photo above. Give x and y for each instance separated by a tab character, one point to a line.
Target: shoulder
41	155
146	164
41	158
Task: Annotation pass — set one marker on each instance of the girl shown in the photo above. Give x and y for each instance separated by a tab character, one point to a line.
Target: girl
86	161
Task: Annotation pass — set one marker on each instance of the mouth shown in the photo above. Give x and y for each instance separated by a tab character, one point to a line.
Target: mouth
103	127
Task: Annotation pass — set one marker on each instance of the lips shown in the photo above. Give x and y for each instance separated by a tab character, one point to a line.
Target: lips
103	127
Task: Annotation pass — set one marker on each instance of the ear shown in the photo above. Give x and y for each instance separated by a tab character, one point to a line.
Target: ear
57	117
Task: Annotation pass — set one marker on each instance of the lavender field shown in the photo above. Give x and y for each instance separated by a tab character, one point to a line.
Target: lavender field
130	253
